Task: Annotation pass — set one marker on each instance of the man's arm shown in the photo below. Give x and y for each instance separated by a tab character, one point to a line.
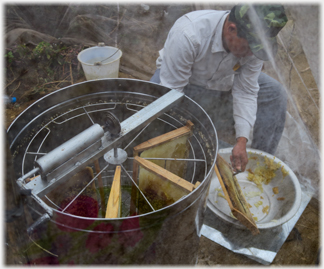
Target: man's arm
245	93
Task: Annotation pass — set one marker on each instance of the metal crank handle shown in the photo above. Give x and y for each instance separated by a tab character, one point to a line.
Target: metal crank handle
42	219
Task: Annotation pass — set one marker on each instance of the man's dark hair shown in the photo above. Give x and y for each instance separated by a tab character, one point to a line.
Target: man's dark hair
231	18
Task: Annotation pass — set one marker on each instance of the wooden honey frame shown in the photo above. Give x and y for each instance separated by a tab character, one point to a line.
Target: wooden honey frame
234	196
156	169
114	202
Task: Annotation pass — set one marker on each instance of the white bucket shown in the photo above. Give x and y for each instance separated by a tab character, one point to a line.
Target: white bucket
108	68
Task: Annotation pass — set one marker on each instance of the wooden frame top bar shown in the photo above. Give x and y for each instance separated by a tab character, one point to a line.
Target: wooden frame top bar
165	174
185	130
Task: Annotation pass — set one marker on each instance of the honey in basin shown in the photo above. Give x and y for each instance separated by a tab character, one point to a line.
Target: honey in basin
269	186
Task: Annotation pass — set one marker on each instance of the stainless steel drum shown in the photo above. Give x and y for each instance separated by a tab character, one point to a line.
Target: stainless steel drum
166	236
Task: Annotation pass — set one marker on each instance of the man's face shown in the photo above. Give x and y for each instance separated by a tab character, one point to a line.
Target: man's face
238	46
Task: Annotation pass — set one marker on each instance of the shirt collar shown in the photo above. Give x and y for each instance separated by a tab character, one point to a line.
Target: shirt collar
217	45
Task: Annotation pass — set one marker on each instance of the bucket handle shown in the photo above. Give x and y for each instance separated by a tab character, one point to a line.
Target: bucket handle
100	62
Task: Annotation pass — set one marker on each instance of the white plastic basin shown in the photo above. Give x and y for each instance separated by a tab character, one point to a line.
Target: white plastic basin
282	206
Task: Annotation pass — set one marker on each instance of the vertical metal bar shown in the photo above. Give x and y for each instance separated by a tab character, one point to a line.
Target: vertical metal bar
23	161
85	188
88	115
138	188
41	144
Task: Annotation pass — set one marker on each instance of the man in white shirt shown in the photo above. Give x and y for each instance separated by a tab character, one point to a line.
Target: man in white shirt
216	58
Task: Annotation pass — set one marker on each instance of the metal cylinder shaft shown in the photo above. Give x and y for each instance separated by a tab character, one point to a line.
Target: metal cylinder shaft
70	148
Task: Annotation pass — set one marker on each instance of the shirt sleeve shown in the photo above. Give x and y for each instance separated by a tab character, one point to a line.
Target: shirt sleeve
245	92
178	57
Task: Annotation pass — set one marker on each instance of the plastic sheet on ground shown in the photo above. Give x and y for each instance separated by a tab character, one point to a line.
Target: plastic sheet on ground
263	247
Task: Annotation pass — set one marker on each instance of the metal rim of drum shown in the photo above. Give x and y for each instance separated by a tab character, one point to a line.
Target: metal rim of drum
207	173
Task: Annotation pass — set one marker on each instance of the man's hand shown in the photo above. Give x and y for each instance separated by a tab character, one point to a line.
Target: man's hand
239	156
